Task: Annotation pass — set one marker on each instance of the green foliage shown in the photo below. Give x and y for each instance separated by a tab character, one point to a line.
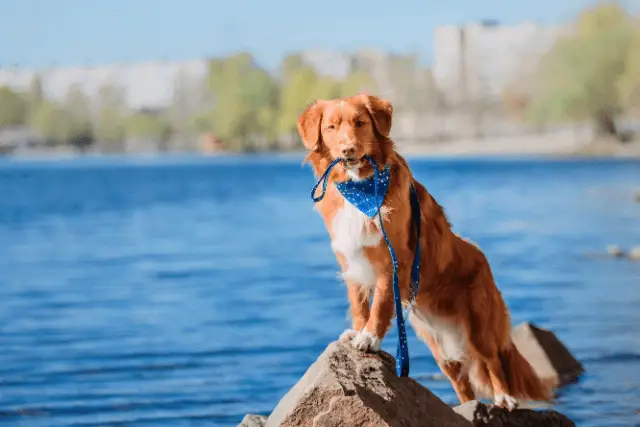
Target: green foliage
13	108
110	121
35	96
358	82
629	83
291	64
109	126
301	87
79	112
62	123
601	18
53	122
147	125
202	123
246	97
579	78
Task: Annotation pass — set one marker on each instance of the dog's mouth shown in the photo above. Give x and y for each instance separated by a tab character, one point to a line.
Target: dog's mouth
352	162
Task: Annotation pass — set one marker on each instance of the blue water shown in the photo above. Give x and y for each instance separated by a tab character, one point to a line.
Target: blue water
188	292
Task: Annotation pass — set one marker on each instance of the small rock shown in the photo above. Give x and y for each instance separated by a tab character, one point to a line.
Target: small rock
545	352
634	253
251	420
482	415
615	250
346	387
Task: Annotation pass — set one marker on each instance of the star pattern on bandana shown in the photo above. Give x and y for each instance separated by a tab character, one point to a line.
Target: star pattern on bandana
361	194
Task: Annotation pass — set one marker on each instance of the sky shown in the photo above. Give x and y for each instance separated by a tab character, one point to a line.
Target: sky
46	33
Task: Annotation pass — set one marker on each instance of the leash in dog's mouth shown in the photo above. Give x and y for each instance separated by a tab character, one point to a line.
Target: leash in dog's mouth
368	197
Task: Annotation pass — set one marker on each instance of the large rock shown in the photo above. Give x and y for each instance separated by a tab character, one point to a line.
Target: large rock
346	388
482	415
546	353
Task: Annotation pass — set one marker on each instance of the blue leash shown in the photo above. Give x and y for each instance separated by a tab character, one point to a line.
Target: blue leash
356	193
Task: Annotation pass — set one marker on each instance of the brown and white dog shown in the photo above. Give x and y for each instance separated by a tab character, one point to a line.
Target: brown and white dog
458	311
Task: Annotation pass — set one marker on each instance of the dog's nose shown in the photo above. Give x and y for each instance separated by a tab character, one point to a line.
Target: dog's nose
348	151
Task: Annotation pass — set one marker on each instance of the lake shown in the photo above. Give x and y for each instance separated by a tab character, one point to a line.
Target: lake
187	291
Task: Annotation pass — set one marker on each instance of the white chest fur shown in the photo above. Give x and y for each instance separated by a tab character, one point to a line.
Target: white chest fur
352	231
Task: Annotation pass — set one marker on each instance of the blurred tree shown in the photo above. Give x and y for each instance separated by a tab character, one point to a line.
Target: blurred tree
36	92
357	82
246	98
145	125
79	116
301	87
603	16
53	122
291	64
579	77
35	95
325	87
109	125
201	123
13	108
629	83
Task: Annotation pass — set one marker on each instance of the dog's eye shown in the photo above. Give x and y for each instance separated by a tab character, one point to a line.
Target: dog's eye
331	127
359	124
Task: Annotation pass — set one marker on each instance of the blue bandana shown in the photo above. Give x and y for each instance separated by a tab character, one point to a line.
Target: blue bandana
361	194
368	195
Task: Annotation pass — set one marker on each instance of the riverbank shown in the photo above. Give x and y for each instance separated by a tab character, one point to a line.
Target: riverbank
546	145
534	145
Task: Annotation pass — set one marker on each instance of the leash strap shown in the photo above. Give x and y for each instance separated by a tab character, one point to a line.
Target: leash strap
416	217
323	179
402	349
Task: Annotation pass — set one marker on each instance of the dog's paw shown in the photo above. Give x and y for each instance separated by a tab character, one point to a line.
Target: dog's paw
506	401
348	335
366	341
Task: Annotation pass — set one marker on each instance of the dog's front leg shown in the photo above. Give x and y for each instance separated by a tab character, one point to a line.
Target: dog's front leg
359	297
379	321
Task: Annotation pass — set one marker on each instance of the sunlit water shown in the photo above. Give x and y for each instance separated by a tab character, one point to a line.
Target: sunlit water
182	291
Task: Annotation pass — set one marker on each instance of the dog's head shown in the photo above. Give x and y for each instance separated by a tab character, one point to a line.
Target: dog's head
349	129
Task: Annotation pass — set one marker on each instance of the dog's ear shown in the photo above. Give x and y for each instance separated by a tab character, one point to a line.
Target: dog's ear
381	111
309	125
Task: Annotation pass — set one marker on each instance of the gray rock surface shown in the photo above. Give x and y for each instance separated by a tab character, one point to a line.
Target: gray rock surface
251	420
482	415
346	388
551	360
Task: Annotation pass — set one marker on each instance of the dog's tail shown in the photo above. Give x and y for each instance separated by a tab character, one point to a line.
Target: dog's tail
522	380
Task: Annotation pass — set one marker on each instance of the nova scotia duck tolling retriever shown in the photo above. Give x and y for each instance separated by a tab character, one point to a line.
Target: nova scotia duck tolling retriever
458	310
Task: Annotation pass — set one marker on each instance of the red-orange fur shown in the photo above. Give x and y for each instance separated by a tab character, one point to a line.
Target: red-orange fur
456	282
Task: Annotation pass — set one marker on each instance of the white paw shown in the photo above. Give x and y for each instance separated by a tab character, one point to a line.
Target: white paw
505	401
366	341
348	335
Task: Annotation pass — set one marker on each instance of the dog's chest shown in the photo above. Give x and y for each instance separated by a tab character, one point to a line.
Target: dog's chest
352	231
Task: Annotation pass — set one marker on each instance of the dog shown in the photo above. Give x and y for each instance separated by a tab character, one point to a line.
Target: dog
458	310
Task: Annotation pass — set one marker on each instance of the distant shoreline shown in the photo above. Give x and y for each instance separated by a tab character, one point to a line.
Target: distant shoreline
549	148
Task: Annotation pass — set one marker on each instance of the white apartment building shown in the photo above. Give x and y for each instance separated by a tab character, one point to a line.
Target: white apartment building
480	60
144	84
